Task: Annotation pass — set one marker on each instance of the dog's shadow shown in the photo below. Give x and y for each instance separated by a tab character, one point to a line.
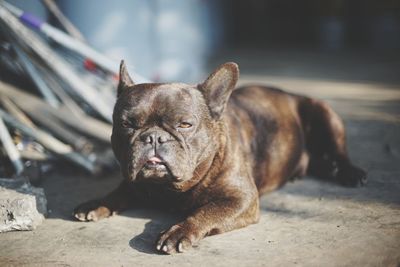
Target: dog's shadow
160	221
65	193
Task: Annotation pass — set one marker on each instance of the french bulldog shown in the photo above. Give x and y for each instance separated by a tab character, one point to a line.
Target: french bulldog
210	150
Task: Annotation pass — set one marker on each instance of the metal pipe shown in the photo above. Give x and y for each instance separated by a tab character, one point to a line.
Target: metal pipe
37	79
51	143
64	21
31	42
10	148
69	42
10	106
31	104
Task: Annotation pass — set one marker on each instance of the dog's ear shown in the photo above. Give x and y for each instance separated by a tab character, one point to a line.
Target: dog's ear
124	79
218	87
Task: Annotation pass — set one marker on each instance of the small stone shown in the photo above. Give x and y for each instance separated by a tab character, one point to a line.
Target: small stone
22	206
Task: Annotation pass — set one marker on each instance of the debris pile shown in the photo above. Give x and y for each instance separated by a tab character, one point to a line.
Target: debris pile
56	98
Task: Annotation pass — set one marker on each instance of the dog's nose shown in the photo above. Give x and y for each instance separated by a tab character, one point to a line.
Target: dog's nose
149	139
153	137
162	139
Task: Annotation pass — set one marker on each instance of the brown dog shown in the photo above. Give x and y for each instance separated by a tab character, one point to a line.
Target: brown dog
210	151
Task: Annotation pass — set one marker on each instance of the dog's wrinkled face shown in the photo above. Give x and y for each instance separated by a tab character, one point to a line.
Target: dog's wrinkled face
161	131
165	132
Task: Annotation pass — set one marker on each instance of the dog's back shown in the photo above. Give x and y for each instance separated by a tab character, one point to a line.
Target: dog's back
288	136
270	132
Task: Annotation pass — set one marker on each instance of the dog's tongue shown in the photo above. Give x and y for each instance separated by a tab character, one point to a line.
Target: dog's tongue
154	160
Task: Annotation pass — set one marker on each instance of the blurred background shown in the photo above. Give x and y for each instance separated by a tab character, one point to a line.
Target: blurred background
62	57
177	40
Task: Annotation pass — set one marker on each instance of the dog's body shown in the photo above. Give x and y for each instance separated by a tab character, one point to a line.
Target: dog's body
210	153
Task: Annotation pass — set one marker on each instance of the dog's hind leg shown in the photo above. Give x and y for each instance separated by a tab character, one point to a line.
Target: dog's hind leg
326	144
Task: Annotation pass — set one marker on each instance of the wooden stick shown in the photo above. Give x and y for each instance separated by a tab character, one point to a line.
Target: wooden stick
51	143
64	21
78	142
69	42
32	104
15	111
33	73
34	155
55	86
10	148
32	43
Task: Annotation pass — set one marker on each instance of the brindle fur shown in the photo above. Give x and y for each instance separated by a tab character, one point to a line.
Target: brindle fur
254	141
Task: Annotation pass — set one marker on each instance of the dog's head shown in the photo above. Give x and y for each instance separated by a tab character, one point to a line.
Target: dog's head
168	133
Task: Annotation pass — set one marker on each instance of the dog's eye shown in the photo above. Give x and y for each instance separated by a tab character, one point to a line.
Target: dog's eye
184	125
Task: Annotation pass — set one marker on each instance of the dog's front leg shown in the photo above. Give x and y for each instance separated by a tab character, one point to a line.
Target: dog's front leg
213	218
116	201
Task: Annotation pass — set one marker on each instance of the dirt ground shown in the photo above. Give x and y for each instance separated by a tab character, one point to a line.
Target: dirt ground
306	223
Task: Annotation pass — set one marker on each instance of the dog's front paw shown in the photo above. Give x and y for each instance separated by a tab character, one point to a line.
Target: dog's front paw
178	238
91	211
351	176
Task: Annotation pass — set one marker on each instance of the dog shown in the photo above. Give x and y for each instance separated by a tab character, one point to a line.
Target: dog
210	151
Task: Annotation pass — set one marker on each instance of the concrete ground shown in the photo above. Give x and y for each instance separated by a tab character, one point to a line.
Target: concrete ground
306	223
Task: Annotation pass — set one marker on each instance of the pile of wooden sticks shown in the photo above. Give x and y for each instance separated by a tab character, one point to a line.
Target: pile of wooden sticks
61	111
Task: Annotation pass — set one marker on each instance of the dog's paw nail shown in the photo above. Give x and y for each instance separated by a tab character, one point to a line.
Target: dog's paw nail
80	216
92	216
180	247
165	248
